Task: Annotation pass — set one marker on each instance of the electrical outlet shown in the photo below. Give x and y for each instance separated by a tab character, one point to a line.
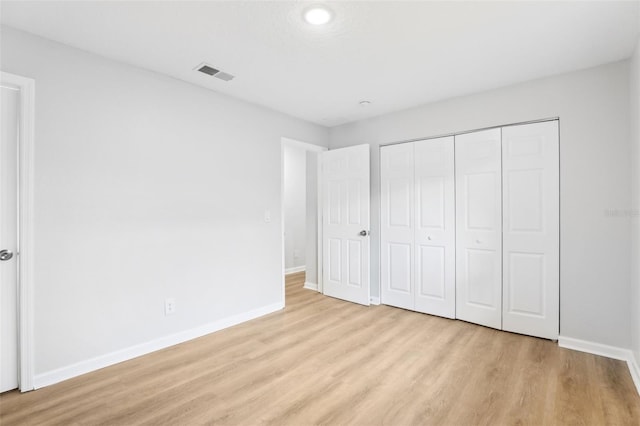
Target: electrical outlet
170	306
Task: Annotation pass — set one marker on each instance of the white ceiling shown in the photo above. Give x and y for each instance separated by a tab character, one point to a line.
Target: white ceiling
394	54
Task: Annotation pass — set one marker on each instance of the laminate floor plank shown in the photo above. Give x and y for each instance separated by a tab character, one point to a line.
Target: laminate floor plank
323	361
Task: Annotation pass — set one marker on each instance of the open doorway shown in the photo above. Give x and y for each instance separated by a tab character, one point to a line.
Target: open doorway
300	224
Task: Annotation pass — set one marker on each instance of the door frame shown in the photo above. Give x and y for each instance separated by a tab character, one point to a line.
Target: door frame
284	141
25	227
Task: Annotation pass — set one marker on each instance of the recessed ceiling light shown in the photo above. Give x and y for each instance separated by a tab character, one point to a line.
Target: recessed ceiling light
365	103
317	15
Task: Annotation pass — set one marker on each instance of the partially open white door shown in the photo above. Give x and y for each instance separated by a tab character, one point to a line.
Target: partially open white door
9	109
345	218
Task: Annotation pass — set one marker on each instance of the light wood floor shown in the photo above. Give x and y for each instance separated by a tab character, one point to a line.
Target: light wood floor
325	361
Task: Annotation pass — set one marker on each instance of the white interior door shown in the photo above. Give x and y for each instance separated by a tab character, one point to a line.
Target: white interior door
479	228
9	107
531	262
434	237
397	225
345	217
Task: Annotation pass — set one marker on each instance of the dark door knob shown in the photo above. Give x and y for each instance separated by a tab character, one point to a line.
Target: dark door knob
5	255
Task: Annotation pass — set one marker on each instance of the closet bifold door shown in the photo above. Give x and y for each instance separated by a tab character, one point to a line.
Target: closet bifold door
435	291
531	229
479	228
397	225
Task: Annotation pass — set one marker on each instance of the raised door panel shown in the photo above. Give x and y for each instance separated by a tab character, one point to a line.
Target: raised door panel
334	248
479	227
482	205
531	229
354	262
397	224
334	199
430	193
399	201
431	272
482	278
434	233
399	271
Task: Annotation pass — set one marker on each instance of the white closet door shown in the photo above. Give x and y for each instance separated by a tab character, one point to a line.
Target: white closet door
479	228
435	227
396	218
531	229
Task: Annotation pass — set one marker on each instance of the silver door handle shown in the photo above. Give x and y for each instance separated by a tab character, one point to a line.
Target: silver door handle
364	233
5	255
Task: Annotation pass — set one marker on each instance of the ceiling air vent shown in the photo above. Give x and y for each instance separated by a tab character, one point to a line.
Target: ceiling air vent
209	70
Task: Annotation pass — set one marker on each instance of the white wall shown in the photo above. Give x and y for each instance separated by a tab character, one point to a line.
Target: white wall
295	190
635	200
145	187
593	106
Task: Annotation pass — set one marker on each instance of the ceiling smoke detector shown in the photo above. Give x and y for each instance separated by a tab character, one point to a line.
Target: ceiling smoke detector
209	70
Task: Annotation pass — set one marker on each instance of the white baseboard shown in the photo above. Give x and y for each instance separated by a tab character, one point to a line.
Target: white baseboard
295	269
635	371
374	300
83	367
311	286
594	348
604	350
